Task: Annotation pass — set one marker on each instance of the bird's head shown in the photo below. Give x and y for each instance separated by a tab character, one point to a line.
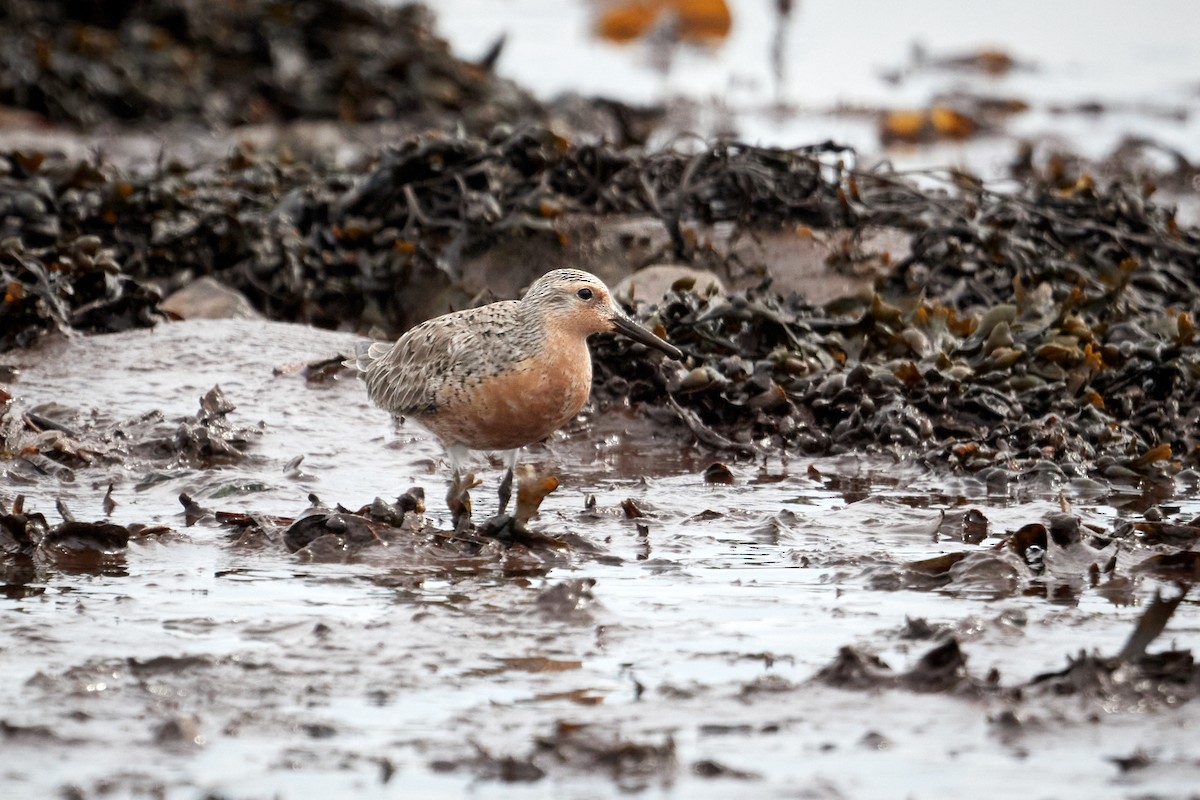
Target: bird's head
580	302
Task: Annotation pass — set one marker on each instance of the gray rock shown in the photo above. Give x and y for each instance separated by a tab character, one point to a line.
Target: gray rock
651	284
208	298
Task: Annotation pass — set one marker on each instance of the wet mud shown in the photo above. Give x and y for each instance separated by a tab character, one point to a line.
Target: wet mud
916	513
682	624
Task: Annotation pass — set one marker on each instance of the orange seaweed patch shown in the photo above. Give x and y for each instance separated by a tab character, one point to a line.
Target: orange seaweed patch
926	125
951	124
627	21
1159	452
908	373
966	449
1186	328
905	126
697	20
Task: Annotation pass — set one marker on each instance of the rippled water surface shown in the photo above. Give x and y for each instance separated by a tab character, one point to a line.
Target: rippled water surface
204	664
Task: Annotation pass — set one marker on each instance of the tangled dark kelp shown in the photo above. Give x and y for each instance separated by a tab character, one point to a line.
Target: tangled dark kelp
323	245
1051	325
231	63
1048	326
991	389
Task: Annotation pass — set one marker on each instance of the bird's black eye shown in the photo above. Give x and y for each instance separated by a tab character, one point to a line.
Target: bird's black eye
584	293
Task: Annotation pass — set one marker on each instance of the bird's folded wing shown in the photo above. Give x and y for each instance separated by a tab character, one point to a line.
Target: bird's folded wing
404	378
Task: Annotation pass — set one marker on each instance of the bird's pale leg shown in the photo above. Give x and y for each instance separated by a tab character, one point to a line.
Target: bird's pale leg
510	460
458	498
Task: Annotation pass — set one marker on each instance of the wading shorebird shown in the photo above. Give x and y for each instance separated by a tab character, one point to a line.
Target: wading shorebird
501	376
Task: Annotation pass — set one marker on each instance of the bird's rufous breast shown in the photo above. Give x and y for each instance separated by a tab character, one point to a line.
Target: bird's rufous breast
521	404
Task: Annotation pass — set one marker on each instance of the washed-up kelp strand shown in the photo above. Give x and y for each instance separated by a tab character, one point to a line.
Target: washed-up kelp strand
1151	624
633	765
77	286
210	438
240	62
1058	558
56	279
401	529
1050	328
306	242
56	440
1011	386
1131	680
941	669
29	541
1133	677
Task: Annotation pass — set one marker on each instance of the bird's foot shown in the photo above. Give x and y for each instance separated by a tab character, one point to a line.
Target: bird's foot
458	500
532	488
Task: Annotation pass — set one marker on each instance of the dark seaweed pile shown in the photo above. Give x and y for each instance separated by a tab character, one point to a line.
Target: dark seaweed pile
233	62
1053	324
310	243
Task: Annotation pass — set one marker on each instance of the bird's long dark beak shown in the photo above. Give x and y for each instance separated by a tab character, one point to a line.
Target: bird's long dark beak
623	324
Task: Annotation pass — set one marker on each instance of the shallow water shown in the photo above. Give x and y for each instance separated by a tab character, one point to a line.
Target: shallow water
1139	65
241	670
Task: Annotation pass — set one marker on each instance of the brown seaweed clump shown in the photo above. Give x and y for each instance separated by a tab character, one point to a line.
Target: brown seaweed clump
330	246
31	548
1049	328
1133	679
52	439
232	63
